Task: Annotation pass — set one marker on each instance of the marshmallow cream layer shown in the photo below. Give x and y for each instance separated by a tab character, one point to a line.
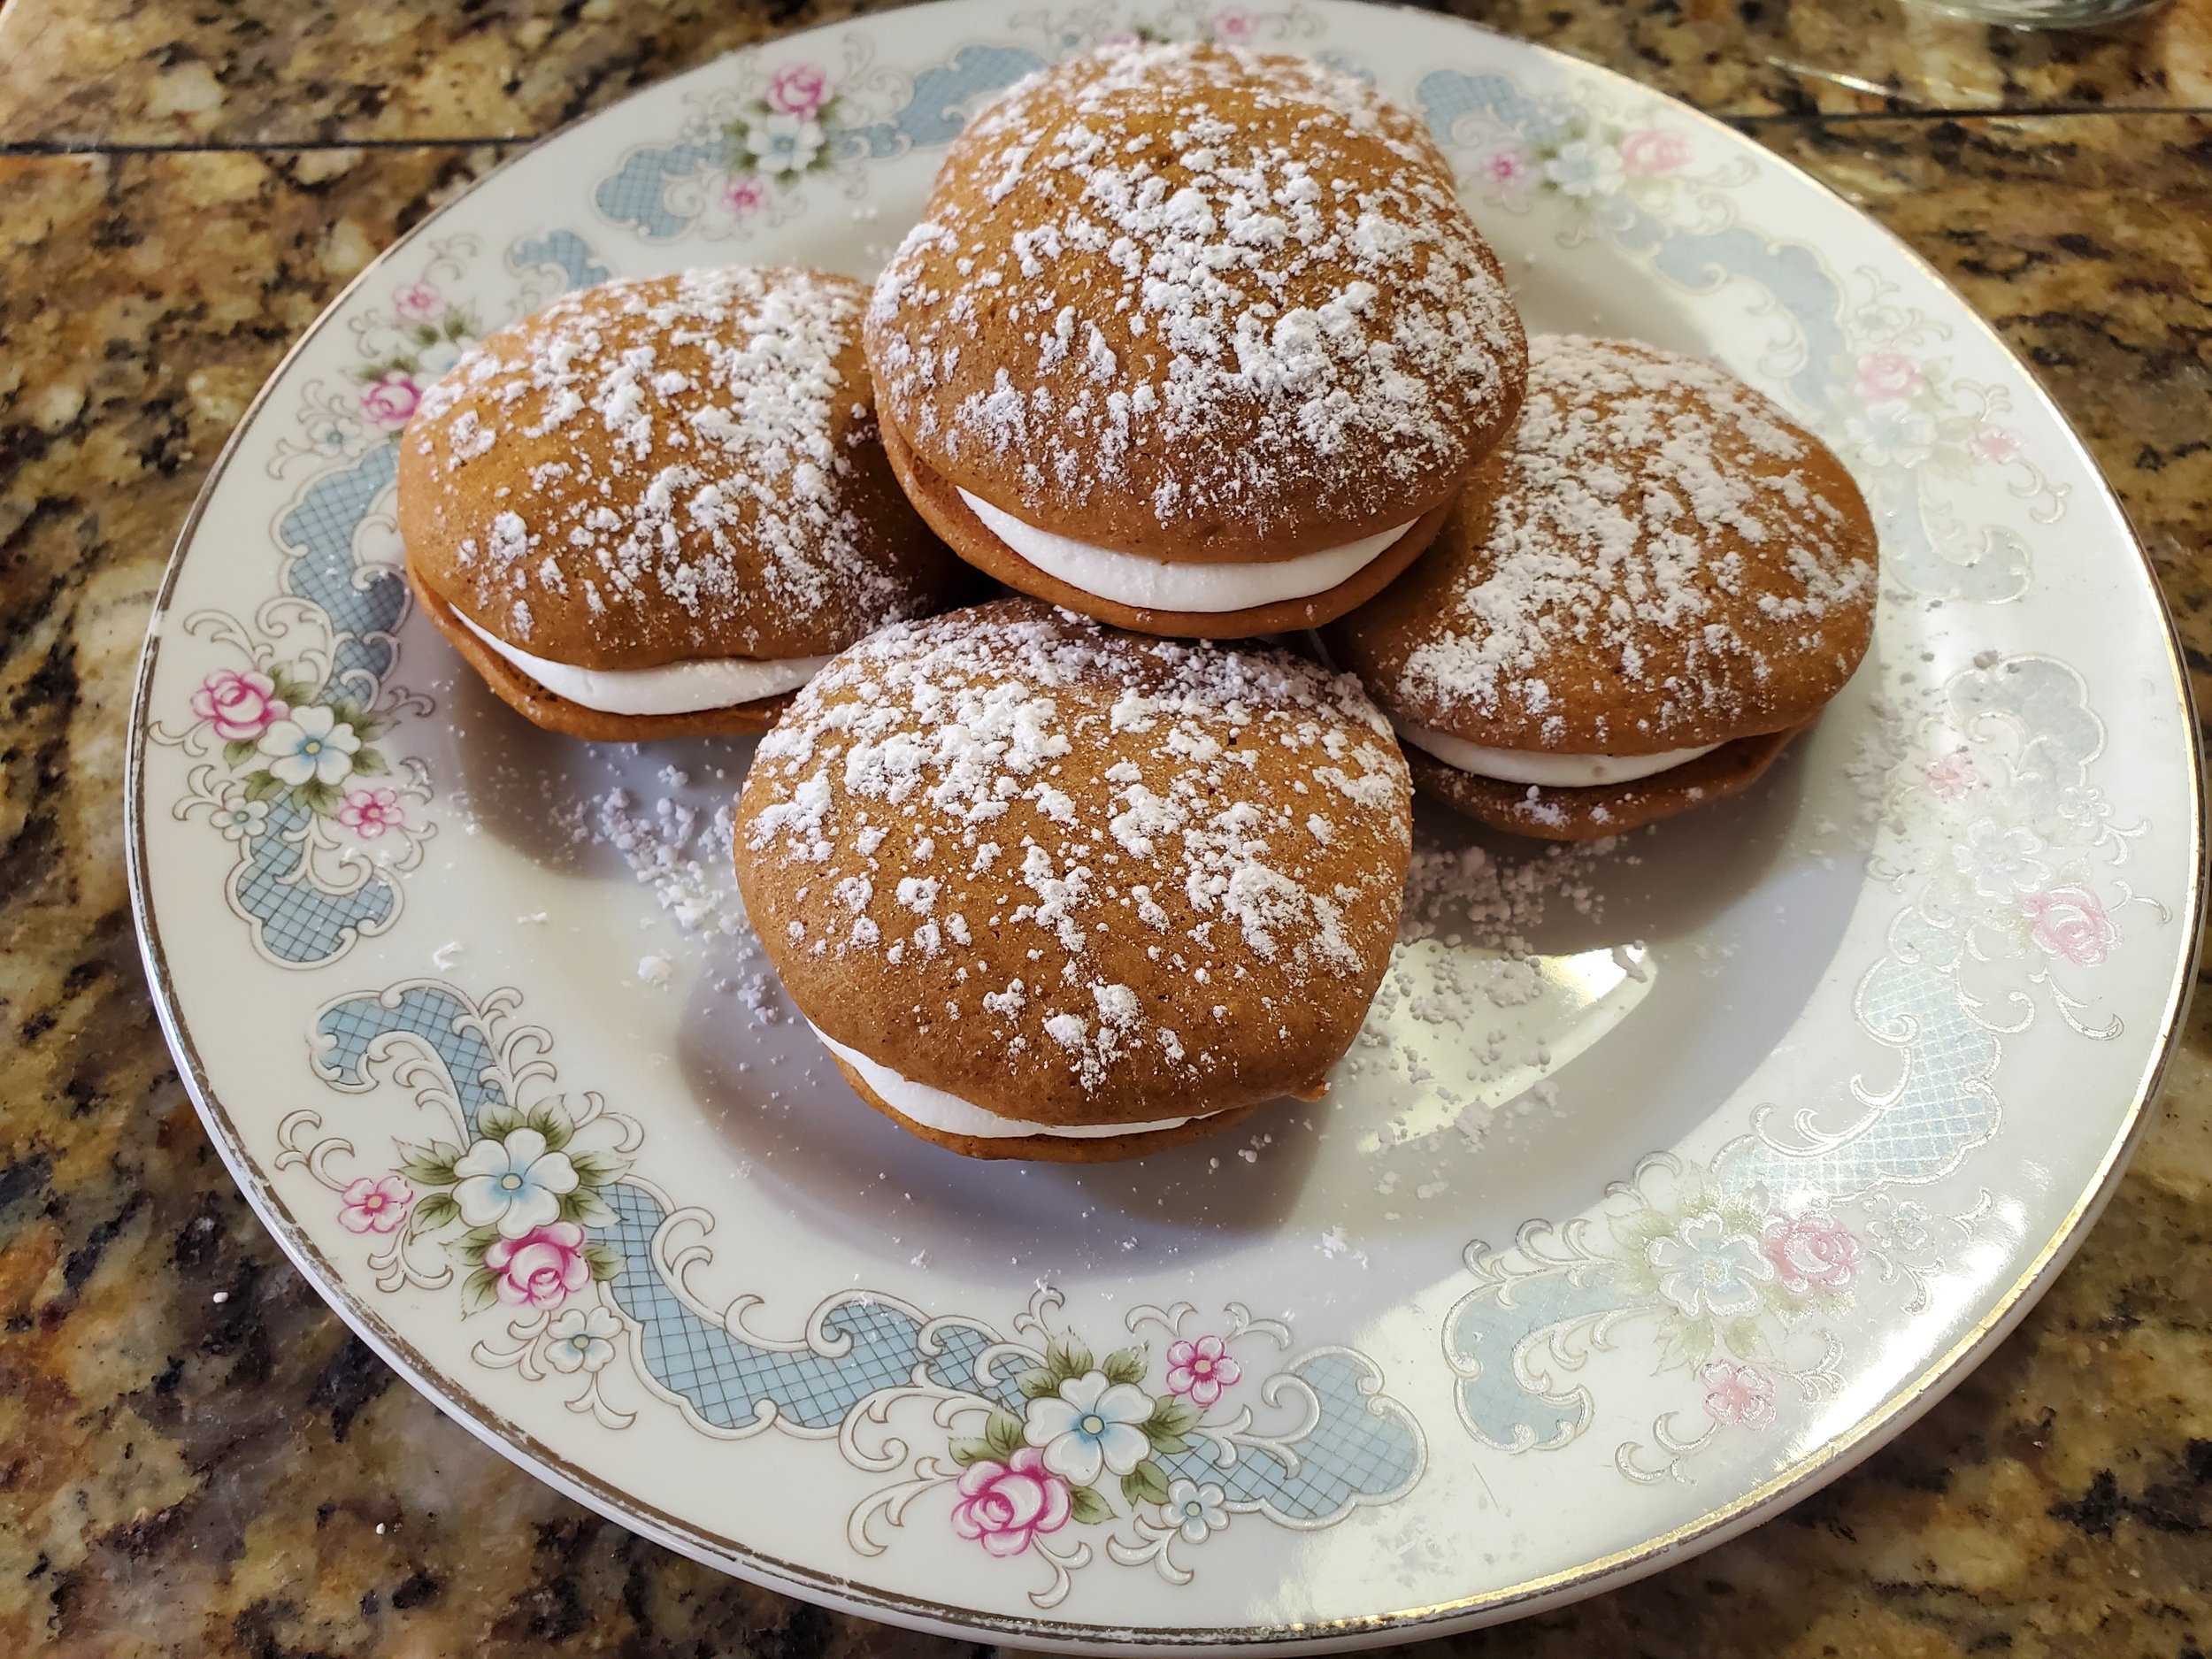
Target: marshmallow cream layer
671	688
1149	584
1550	772
949	1114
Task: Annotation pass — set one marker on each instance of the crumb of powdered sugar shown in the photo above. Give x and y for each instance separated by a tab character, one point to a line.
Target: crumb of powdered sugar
1334	1244
655	971
1541	1096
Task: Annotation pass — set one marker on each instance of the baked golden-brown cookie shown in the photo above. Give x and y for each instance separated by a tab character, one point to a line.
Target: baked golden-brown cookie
1050	890
1196	340
655	507
1648	589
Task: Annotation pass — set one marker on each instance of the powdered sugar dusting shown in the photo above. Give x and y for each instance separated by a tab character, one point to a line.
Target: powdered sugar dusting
969	746
700	428
1629	471
1220	284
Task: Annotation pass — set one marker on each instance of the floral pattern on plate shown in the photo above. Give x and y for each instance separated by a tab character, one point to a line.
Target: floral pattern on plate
1626	170
324	820
288	770
1743	1276
1152	1447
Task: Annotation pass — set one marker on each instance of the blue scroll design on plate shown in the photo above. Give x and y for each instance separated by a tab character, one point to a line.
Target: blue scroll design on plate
1358	1446
296	921
562	250
937	110
1999	840
636	193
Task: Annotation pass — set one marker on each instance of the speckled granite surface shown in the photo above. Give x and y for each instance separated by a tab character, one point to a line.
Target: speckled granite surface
195	1457
171	72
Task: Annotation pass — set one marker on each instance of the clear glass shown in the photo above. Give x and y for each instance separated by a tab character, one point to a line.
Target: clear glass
2040	14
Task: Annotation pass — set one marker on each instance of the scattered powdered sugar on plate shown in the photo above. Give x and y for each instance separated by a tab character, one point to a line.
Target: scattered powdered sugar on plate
1468	1015
1473	894
679	851
683	855
672	838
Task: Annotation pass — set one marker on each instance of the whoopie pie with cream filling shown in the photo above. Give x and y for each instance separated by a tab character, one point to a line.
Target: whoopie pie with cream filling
1047	889
656	506
1644	594
1192	339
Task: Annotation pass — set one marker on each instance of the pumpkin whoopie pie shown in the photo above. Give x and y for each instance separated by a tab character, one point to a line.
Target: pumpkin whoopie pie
1192	339
1047	889
656	506
1654	585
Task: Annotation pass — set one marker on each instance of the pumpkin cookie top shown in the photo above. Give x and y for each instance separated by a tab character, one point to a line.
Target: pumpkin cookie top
668	469
1657	559
1200	303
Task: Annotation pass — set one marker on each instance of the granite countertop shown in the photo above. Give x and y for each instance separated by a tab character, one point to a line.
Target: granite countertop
196	1457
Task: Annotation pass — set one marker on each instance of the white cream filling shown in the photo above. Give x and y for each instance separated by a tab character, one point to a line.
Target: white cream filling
949	1114
1150	584
671	688
1550	772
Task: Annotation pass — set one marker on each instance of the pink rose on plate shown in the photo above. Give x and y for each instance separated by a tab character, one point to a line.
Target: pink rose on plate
745	194
1739	1395
1999	444
420	302
2071	922
1201	1370
1507	167
370	1206
368	813
1953	775
390	400
1651	152
540	1268
1003	1506
1809	1251
241	706
798	89
1235	24
1887	375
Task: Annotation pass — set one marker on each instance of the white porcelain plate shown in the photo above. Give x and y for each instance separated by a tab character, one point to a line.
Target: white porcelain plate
1606	1244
